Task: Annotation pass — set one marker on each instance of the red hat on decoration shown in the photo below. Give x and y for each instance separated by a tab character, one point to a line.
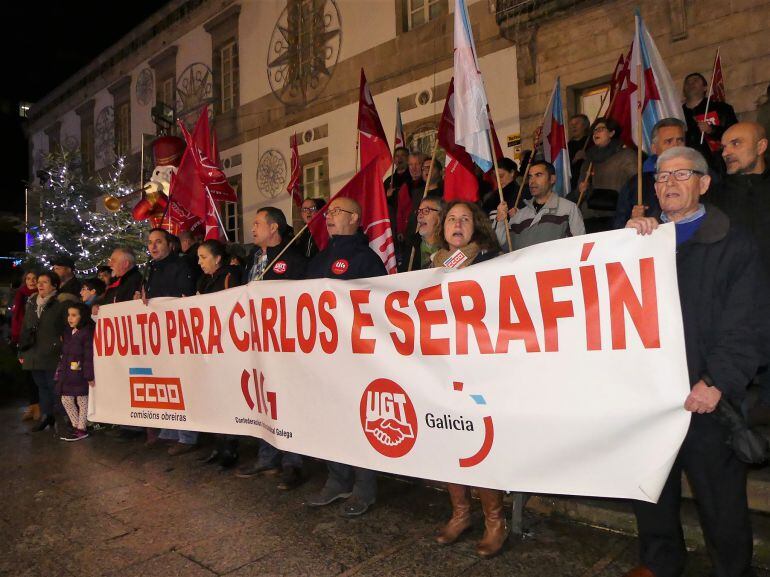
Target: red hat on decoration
167	150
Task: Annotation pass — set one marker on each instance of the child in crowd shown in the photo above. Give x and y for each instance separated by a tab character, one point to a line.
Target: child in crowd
75	373
92	290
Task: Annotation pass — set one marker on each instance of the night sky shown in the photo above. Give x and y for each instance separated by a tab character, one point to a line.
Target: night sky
43	43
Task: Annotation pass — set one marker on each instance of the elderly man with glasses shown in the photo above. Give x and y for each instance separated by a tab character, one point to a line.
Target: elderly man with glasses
346	257
720	283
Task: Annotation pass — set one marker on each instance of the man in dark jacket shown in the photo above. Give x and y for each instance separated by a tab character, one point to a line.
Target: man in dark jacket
271	234
189	251
168	275
720	278
64	266
347	256
126	278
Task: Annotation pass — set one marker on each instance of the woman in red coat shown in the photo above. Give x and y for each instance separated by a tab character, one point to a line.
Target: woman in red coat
28	288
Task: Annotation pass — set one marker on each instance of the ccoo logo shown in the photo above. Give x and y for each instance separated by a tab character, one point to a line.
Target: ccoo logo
340	266
388	418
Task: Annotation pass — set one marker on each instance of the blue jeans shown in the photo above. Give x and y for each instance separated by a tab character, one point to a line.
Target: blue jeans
184	437
269	456
46	390
344	478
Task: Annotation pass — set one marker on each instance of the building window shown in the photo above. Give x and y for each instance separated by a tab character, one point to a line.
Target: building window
123	129
87	147
315	180
231	218
228	55
593	100
166	92
24	109
422	140
418	12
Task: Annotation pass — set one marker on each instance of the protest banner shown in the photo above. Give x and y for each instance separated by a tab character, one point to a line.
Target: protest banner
559	368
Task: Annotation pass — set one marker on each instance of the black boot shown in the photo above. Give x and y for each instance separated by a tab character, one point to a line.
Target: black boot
212	458
228	459
46	421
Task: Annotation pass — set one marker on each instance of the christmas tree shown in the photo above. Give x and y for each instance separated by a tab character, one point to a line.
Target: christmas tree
70	223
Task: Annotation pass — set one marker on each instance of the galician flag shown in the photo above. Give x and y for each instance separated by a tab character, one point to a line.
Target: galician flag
555	140
470	102
656	97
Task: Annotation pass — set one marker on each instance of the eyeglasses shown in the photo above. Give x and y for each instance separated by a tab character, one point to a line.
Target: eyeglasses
335	211
308	209
426	211
600	129
681	175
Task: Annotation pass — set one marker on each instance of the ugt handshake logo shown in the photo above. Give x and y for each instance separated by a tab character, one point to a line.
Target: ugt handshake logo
388	418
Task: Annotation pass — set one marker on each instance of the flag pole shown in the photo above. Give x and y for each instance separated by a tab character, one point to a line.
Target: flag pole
424	196
639	127
711	90
358	142
219	218
539	133
393	165
500	188
280	254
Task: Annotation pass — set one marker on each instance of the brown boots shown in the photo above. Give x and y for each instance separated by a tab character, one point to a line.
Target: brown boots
495	526
32	413
460	495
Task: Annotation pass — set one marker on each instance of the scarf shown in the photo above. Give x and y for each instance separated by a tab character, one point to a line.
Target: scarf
41	303
597	154
471	251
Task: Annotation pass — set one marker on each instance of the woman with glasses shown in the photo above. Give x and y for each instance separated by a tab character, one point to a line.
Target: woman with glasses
305	243
428	238
611	165
466	229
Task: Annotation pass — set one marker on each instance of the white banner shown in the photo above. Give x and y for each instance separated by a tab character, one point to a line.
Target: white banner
556	369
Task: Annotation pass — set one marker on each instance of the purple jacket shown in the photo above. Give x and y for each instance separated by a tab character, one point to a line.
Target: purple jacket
76	366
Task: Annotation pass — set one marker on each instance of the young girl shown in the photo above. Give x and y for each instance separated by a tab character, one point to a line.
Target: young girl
75	373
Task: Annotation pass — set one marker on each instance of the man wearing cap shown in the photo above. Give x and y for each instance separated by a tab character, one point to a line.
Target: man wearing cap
271	234
70	285
346	257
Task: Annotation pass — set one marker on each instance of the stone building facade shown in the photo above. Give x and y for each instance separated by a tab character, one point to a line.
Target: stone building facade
580	41
267	70
272	68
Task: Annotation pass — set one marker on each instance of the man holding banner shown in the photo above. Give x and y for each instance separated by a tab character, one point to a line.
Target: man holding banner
347	256
719	274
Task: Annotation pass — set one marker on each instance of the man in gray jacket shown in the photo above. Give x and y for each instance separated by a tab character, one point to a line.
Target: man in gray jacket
546	216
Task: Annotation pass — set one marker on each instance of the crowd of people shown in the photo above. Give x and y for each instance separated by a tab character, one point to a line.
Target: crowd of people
718	196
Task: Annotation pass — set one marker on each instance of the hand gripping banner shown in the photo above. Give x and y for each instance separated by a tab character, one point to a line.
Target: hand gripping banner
559	368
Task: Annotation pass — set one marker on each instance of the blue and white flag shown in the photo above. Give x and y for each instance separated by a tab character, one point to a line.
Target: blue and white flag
555	148
657	96
470	100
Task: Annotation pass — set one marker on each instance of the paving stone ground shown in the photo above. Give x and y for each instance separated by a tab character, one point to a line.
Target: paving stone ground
104	507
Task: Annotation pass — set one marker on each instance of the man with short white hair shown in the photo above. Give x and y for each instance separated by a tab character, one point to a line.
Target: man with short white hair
126	278
720	283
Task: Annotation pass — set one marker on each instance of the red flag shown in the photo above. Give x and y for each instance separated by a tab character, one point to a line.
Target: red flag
373	143
295	181
365	188
718	81
459	174
621	88
400	140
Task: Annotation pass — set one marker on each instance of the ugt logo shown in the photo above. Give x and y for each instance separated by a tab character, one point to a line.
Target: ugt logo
388	418
149	392
267	403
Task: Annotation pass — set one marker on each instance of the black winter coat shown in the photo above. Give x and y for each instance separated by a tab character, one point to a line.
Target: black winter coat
347	257
169	277
44	355
291	266
745	198
720	289
122	289
225	277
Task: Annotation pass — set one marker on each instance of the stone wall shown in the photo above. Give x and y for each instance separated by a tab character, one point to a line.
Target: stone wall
582	45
